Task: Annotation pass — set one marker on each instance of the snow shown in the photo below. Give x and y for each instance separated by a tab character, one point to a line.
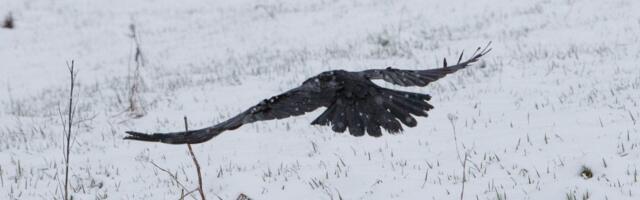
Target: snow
559	92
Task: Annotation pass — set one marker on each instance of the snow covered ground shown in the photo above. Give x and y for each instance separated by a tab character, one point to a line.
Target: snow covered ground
560	92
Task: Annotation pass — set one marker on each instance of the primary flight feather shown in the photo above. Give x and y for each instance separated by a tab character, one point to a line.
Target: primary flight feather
353	103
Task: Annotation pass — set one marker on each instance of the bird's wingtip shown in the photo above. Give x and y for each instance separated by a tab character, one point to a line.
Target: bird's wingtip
133	135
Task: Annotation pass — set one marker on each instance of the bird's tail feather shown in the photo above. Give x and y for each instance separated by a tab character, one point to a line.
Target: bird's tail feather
386	108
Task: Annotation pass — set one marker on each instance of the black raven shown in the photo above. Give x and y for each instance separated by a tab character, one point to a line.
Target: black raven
353	102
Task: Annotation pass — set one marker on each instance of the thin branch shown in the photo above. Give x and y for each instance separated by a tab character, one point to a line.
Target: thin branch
175	178
135	81
195	161
187	194
73	74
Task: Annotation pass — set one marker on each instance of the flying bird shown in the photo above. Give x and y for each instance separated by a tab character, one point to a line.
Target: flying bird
352	101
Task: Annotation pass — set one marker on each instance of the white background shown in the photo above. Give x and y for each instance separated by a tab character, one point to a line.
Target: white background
560	91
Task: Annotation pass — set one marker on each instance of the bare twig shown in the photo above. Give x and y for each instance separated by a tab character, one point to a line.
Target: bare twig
195	161
136	83
174	177
187	194
452	119
73	74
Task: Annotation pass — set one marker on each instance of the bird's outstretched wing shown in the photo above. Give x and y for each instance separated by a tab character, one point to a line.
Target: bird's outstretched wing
353	103
423	77
294	102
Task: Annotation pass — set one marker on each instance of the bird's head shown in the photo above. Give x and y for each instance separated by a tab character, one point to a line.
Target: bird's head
324	81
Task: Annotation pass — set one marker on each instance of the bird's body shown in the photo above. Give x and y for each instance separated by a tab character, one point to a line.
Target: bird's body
352	101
